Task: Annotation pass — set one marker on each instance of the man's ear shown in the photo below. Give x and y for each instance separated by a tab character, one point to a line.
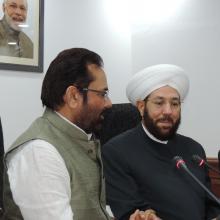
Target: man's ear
141	105
72	96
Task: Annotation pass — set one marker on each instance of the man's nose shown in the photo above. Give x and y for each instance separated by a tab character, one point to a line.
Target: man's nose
108	103
18	11
167	108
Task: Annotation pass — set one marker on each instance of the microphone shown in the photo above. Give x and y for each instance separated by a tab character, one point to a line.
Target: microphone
180	164
201	162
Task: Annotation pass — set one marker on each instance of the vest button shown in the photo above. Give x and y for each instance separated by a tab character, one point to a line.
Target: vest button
90	151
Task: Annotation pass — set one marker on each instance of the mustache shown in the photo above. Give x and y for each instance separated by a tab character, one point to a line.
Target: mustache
18	19
165	119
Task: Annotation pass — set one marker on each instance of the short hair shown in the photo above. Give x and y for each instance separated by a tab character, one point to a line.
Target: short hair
68	68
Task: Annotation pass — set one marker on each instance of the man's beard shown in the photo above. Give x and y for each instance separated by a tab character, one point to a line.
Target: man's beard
155	130
90	120
13	24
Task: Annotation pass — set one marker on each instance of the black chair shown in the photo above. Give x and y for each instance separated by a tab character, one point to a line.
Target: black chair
1	167
118	119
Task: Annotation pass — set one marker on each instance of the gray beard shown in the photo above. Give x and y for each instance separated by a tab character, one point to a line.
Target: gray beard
11	23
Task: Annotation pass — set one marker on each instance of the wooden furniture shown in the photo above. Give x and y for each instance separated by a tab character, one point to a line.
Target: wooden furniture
1	167
215	177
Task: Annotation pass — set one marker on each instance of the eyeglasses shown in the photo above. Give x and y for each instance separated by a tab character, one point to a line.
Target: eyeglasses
161	103
104	93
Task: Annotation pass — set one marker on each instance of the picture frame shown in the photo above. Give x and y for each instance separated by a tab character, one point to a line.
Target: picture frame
23	56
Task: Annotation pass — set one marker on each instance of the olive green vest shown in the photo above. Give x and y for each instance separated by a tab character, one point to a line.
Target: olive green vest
82	159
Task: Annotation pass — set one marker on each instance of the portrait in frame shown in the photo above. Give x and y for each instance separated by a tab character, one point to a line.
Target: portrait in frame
21	35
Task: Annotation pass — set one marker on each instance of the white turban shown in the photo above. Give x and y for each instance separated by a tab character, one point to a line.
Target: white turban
155	77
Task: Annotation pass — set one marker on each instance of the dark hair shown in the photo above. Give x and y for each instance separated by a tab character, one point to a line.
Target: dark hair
68	68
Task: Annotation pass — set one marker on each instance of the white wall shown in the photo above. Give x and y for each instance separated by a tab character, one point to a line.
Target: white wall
67	24
189	39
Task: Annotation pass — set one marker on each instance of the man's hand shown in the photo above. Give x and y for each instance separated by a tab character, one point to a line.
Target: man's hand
149	214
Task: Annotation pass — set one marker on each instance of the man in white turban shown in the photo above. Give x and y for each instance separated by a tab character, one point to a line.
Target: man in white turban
155	77
165	79
139	171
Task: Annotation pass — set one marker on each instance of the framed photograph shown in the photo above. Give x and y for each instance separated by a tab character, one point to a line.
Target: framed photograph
22	35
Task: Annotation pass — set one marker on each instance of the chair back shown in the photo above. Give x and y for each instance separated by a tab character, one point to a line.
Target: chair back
118	119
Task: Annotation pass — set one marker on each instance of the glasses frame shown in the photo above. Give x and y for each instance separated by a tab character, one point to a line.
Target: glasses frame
174	104
104	93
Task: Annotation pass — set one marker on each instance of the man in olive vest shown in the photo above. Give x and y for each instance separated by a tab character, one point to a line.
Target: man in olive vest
54	167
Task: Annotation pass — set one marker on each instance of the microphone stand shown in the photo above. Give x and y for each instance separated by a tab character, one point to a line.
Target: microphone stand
181	164
204	187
